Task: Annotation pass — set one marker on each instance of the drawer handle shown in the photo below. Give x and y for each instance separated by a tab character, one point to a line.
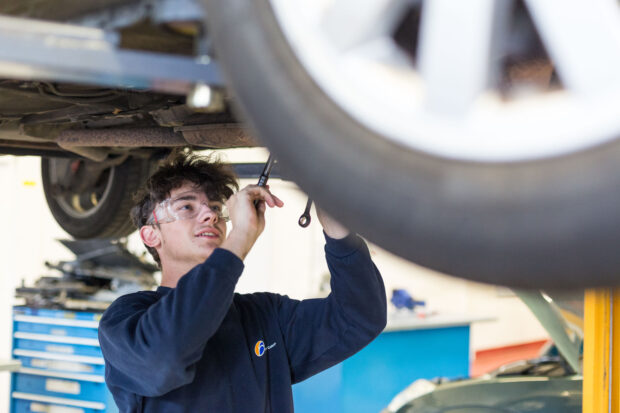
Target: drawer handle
62	386
49	408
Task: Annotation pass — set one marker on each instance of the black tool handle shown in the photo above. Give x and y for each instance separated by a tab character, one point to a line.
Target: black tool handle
264	176
304	219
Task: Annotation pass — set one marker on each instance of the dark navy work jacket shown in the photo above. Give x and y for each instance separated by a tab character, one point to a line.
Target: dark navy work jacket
200	347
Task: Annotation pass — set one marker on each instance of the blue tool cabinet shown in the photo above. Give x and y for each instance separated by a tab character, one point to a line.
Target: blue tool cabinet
62	366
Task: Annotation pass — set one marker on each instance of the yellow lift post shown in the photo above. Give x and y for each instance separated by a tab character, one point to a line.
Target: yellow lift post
601	353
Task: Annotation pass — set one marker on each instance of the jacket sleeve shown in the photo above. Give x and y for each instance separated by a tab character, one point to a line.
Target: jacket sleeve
320	333
152	348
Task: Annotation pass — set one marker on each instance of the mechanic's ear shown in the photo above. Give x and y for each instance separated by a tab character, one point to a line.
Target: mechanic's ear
150	236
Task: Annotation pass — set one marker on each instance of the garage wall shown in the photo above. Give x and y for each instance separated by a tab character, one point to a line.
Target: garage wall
26	240
286	259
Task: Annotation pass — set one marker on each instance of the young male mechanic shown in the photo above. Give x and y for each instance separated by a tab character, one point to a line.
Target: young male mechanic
196	346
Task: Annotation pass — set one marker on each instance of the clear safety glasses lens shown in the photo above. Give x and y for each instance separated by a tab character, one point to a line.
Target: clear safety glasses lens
186	206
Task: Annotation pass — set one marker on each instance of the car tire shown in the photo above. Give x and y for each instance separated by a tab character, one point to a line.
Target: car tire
535	224
78	213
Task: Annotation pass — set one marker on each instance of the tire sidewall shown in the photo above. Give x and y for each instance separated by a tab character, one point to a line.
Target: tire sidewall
111	219
519	224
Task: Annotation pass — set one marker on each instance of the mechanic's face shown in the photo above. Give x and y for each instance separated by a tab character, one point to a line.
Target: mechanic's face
191	241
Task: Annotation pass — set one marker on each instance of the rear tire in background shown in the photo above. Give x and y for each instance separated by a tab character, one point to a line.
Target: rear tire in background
99	208
534	224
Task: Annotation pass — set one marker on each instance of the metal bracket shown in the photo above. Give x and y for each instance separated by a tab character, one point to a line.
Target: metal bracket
39	50
158	11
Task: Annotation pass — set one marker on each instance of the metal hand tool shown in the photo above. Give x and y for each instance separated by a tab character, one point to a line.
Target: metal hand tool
264	176
304	219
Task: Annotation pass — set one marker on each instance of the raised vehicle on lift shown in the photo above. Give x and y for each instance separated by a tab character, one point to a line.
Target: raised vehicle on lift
478	139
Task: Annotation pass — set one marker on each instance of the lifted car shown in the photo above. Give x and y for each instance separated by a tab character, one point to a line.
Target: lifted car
476	138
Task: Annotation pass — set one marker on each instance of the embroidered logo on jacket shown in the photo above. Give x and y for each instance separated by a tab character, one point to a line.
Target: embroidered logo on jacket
259	348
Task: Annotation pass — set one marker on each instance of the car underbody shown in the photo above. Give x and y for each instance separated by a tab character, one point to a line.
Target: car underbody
472	123
47	117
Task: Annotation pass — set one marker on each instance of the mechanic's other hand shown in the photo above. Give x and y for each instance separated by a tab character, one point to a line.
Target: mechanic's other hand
332	228
248	220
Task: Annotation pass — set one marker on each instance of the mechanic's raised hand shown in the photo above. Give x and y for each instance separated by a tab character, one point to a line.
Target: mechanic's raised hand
332	228
248	220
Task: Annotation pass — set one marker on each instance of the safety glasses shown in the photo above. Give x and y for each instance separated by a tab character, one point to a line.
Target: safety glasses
186	205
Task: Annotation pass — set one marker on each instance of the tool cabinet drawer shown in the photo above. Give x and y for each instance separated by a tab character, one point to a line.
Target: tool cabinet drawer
32	403
60	387
61	366
55	329
48	313
56	347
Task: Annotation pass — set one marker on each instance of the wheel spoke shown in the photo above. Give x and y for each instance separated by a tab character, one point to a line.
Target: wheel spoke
470	79
350	23
76	203
456	39
587	61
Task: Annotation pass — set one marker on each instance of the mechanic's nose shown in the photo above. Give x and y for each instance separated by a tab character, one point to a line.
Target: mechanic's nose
207	214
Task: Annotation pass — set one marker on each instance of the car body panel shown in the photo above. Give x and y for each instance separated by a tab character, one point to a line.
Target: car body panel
502	395
551	383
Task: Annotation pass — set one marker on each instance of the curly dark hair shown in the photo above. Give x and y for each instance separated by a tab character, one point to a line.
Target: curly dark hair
216	179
